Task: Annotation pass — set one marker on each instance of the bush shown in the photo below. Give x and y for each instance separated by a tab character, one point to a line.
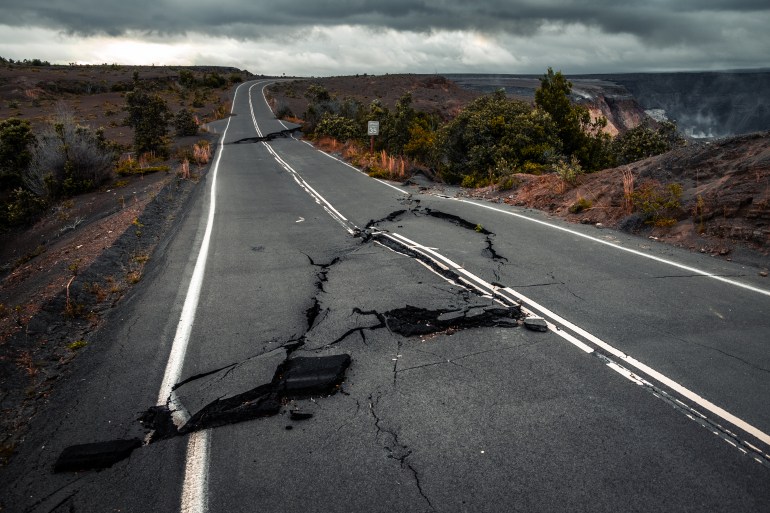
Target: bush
580	136
148	115
68	159
493	137
22	207
580	205
283	111
644	141
15	140
185	124
568	171
129	166
659	204
337	127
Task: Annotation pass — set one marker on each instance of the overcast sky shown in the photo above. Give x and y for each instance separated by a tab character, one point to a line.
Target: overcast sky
324	37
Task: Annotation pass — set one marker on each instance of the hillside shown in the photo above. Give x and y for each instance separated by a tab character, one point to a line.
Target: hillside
723	209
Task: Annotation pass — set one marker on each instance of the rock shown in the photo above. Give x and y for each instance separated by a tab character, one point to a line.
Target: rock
763	273
536	324
599	225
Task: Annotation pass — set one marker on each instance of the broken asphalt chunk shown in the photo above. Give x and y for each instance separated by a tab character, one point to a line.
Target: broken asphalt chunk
261	401
95	455
411	320
299	415
318	375
536	324
295	377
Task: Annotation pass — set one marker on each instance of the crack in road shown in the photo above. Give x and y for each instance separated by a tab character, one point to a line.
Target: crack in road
298	377
397	450
729	355
268	137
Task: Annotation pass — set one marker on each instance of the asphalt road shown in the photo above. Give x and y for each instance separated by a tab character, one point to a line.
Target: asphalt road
647	393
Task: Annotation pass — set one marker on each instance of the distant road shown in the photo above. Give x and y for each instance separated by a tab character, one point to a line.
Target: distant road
648	392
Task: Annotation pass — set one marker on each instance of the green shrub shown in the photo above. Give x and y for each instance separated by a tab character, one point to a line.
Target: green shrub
379	173
148	115
23	207
644	141
16	138
568	171
337	127
659	204
507	183
580	205
492	137
130	167
185	124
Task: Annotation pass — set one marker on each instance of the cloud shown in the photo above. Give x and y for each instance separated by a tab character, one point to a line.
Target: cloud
343	36
233	17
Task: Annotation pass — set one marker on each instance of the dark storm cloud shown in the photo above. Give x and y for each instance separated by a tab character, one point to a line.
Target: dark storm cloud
656	21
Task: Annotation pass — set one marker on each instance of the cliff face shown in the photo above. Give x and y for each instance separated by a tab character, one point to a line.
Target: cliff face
622	114
703	104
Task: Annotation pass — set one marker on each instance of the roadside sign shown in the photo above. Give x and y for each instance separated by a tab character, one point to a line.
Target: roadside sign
373	128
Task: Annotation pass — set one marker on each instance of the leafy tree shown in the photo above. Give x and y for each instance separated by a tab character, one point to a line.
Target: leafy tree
580	136
185	124
422	141
494	136
394	129
645	141
148	115
16	138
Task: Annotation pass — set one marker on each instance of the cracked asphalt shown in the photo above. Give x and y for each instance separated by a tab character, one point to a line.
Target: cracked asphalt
441	399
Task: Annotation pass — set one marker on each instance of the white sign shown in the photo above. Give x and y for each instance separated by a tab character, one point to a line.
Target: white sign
373	128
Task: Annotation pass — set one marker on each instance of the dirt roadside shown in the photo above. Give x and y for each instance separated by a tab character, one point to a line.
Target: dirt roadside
63	274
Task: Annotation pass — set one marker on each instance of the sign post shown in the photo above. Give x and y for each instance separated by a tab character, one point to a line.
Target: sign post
373	128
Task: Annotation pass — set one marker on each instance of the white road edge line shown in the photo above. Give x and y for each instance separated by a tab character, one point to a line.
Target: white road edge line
620	355
195	484
693	270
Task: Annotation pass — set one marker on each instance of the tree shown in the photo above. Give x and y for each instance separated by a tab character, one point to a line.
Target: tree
494	136
580	136
185	124
16	139
394	129
148	115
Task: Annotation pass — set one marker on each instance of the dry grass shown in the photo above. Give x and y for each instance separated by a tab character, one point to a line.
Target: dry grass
628	191
202	152
377	165
183	171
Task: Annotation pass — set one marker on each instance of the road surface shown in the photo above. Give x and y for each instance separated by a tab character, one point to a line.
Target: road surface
647	392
